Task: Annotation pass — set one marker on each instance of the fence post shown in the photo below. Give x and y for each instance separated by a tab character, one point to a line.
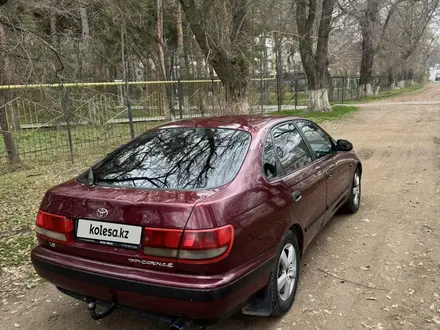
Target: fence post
343	88
211	75
277	71
261	93
357	88
129	110
296	93
125	68
179	93
65	109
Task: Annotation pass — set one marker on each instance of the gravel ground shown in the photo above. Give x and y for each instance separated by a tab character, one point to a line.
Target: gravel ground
378	269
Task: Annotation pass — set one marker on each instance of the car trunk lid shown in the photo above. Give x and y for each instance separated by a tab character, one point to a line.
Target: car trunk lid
109	223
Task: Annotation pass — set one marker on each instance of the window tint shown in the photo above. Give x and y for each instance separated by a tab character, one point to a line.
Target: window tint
290	147
177	158
269	159
319	141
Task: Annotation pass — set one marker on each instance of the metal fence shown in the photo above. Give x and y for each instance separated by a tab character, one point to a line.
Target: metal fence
62	121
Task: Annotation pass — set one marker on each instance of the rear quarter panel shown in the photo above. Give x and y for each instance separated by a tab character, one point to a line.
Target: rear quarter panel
259	212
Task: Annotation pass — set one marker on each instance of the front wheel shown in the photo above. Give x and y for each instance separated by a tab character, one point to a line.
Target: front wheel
285	274
354	200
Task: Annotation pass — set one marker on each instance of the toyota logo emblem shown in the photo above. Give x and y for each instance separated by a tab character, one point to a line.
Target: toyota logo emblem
102	212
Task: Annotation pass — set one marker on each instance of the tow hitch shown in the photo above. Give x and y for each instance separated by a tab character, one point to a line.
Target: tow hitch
175	324
99	315
178	324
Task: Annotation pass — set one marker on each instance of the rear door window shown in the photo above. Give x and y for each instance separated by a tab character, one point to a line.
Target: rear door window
175	158
290	148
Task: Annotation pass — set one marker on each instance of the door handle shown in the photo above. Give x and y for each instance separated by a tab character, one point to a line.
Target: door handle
296	195
329	173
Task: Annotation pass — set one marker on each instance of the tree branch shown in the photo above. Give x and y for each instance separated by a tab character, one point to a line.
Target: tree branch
198	26
44	42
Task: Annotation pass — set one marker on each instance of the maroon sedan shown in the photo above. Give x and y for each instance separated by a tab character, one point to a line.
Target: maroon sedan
197	219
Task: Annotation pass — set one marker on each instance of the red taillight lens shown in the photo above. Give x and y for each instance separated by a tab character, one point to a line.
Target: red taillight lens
54	227
159	238
207	239
161	242
196	246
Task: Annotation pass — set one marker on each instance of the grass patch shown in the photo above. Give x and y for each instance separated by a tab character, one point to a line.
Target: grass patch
388	94
21	192
338	112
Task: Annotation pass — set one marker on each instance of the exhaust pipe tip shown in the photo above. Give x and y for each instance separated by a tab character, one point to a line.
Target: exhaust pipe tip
180	324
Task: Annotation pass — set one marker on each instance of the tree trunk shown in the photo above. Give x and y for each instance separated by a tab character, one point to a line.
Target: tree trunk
330	85
85	32
53	26
368	22
367	61
315	63
161	53
265	56
225	37
8	139
231	67
181	61
391	79
14	111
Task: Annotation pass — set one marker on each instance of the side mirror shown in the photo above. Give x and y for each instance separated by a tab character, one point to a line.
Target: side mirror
344	145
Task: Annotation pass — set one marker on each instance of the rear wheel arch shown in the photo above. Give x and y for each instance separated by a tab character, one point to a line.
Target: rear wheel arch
298	231
359	167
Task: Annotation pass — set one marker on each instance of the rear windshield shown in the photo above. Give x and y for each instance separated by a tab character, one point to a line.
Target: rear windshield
175	158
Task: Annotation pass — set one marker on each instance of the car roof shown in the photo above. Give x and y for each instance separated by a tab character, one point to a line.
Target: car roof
250	123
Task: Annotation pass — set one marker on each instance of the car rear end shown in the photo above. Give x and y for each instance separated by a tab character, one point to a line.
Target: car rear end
132	231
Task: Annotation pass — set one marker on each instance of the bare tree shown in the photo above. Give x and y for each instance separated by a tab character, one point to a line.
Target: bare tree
315	61
231	65
382	35
8	139
53	25
85	33
181	58
411	22
373	32
161	55
368	23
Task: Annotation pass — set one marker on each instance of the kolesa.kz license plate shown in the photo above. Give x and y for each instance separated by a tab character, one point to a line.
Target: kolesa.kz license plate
109	232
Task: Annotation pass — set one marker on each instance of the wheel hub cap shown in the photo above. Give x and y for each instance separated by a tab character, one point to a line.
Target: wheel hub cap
356	188
287	272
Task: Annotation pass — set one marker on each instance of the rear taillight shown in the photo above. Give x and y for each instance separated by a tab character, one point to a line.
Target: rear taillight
190	246
54	227
161	242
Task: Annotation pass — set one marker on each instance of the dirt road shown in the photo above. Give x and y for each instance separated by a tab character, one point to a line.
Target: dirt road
382	265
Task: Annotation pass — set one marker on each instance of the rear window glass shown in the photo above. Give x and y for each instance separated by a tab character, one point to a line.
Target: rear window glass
175	158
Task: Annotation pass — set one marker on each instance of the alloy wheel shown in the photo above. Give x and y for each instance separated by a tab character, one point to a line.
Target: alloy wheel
287	272
356	188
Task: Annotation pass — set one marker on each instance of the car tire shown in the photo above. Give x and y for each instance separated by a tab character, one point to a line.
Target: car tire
354	200
285	271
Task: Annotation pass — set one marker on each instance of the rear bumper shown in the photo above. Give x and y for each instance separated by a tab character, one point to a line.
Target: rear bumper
188	296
